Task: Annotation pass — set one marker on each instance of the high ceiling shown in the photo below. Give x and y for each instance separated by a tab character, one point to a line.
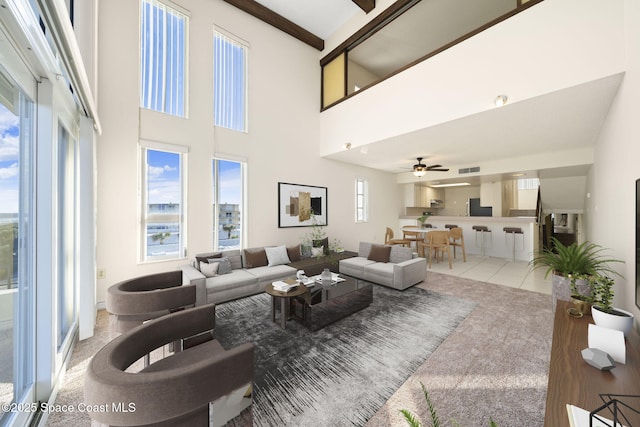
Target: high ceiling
564	120
320	17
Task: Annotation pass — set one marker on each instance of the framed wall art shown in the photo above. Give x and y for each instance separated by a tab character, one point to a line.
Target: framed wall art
301	205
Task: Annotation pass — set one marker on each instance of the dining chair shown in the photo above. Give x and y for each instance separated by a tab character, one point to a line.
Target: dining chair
435	242
389	240
456	239
411	236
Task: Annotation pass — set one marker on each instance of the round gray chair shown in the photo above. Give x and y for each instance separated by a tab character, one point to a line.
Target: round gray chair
134	301
176	390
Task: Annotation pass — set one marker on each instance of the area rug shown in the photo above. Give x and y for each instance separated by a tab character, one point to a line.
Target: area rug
342	374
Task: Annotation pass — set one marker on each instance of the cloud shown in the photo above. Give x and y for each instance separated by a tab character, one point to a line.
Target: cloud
9	172
8	119
9	146
156	172
164	192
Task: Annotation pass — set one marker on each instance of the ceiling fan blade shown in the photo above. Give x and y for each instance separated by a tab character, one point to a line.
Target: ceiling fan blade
438	169
434	166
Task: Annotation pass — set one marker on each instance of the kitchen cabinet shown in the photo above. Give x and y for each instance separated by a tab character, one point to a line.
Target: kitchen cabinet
421	196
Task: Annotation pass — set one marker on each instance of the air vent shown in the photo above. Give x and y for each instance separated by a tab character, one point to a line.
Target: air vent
469	170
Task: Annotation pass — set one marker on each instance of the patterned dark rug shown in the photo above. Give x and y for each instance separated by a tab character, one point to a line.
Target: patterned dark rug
342	374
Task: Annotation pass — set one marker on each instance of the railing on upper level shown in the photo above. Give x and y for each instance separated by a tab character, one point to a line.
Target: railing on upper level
407	33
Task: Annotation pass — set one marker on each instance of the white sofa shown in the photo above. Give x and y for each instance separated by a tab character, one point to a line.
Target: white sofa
240	282
400	272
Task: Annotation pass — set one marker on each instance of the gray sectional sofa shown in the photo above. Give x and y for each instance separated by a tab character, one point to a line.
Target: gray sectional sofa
392	266
242	280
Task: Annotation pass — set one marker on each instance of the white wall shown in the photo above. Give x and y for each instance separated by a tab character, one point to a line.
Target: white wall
520	56
282	143
456	200
611	207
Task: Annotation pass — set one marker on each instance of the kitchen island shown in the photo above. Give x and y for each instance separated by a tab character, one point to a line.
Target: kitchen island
497	243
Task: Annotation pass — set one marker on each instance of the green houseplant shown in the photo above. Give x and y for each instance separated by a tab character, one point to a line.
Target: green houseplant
314	238
434	420
571	266
604	314
423	218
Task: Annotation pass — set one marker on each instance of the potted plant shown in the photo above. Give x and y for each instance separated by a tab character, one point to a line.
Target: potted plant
433	419
423	218
604	314
575	262
582	299
315	239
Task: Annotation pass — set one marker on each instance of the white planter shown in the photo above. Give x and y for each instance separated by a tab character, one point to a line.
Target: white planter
612	321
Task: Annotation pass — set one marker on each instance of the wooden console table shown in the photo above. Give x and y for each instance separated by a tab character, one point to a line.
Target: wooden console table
573	381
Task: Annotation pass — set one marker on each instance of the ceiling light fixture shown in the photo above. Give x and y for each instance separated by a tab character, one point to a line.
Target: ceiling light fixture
420	168
501	100
453	184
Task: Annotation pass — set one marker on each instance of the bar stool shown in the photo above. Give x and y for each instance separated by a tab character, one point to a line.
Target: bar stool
513	231
482	229
428	226
450	226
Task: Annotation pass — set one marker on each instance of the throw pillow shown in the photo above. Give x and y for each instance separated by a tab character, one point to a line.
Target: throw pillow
277	255
209	270
205	258
255	257
379	253
317	252
224	265
294	253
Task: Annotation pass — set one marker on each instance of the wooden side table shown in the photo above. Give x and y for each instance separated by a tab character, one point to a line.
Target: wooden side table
573	381
286	302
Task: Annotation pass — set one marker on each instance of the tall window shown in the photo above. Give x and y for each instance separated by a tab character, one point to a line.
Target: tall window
163	49
16	247
228	185
163	203
362	200
229	87
67	234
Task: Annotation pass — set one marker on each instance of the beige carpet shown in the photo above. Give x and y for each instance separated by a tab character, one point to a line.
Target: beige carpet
494	365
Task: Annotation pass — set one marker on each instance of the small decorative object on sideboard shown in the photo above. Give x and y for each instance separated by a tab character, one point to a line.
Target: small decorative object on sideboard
598	359
603	313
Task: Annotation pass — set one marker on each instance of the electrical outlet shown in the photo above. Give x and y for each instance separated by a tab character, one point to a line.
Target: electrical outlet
102	273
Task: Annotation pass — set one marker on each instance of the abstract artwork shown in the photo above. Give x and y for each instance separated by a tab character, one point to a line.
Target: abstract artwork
301	205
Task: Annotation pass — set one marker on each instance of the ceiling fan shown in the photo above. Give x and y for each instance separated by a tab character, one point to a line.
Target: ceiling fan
419	169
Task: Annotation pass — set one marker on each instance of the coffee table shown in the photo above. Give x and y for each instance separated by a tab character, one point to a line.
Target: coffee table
286	301
323	305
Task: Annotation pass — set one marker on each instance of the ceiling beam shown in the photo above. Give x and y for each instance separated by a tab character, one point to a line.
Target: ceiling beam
366	5
278	21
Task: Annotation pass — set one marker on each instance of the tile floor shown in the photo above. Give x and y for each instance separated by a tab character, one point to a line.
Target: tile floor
517	274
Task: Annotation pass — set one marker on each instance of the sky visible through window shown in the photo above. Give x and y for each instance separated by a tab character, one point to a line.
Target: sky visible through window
163	173
9	161
230	182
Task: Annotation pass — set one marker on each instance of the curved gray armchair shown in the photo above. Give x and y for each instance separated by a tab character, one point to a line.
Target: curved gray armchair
175	390
143	298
